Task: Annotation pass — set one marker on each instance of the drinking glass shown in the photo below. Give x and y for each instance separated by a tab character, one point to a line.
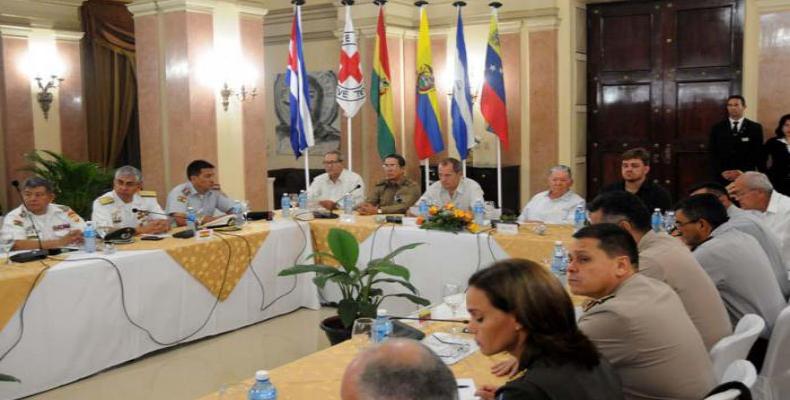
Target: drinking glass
451	293
361	331
6	243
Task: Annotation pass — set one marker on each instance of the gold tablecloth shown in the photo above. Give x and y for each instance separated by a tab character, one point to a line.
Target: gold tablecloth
16	281
362	228
318	375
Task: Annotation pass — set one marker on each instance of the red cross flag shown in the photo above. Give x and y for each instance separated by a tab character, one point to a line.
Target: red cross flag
350	93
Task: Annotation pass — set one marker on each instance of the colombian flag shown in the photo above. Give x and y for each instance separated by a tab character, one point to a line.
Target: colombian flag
381	90
427	129
492	99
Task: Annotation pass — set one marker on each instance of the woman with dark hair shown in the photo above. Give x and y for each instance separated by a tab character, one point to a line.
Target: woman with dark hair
519	307
777	150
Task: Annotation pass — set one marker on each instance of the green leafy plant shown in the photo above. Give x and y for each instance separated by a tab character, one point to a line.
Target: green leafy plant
448	219
8	378
361	296
77	183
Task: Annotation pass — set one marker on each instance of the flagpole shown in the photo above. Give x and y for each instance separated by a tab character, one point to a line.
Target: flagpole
463	164
348	120
427	174
306	169
499	173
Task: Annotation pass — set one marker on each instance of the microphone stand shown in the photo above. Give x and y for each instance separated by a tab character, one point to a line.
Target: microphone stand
31	255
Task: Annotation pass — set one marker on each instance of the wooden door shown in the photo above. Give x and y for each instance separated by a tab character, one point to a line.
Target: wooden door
659	74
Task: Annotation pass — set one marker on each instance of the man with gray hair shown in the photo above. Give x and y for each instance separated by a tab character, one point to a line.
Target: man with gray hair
398	369
42	222
330	187
753	190
556	205
115	208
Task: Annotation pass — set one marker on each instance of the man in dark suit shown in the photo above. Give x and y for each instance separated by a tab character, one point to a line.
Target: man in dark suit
735	143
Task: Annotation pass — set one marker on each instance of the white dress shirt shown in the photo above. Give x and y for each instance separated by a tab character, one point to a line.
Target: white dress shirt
466	194
323	188
55	223
553	211
777	218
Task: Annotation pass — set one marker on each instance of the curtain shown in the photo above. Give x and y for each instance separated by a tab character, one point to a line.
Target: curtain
110	78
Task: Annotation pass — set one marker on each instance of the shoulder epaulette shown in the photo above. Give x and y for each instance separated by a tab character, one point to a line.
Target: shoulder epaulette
105	200
592	303
147	193
185	190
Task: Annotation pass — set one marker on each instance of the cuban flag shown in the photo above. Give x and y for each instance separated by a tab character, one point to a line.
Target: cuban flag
350	92
461	107
299	96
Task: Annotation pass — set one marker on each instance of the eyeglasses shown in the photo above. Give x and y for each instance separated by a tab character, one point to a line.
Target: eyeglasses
332	162
679	224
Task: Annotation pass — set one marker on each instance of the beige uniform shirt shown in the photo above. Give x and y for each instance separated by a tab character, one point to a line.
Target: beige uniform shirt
665	258
644	332
466	194
394	197
55	223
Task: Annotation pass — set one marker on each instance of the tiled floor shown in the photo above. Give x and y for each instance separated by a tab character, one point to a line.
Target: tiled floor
193	370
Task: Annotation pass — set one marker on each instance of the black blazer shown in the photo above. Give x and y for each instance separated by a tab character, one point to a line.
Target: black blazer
742	151
779	171
543	381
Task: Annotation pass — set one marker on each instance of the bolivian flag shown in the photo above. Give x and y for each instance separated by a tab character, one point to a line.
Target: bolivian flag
381	90
427	128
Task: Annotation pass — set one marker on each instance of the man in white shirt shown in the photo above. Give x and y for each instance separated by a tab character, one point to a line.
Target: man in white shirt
753	190
114	209
330	187
452	187
556	205
53	224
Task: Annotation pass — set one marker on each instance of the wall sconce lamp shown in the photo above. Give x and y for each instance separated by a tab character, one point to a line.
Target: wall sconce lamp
44	95
242	94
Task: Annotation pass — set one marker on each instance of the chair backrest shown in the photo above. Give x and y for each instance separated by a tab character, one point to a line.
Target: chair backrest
737	345
777	356
741	371
731	394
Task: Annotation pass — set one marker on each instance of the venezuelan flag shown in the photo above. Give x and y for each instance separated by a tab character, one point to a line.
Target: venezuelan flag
492	99
427	128
381	91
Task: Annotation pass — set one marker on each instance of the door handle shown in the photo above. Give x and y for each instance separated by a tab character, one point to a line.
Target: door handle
668	154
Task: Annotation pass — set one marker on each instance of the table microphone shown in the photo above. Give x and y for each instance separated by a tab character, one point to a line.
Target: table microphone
32	255
137	210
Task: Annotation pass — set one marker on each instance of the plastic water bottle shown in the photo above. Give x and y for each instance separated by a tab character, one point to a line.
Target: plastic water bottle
191	219
558	266
579	217
669	221
423	207
263	388
89	236
238	212
657	220
302	200
382	326
348	204
285	204
478	210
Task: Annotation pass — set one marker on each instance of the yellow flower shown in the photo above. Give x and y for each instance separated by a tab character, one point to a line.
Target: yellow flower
449	206
458	214
467	216
433	210
420	220
473	227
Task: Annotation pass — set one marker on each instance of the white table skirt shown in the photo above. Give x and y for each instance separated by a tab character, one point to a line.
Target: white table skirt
444	258
74	324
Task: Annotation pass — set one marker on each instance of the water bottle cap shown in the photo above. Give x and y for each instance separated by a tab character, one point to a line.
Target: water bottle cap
657	209
558	243
262	375
381	312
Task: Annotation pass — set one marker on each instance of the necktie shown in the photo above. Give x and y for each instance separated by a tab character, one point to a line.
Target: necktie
735	128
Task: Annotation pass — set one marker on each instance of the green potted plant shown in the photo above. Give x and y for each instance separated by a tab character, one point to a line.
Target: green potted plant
360	295
76	183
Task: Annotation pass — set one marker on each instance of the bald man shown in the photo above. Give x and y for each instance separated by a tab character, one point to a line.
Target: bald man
400	369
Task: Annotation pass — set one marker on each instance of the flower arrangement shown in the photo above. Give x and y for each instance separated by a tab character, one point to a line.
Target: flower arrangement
449	219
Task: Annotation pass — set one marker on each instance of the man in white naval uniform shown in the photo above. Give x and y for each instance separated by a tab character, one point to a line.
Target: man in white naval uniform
114	209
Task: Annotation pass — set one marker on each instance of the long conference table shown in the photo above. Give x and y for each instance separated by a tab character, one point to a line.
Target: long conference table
85	313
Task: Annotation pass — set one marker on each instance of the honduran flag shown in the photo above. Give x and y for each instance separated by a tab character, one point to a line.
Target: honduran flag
427	128
492	99
299	96
350	92
461	107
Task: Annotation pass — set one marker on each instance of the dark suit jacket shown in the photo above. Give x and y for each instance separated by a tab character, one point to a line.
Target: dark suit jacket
779	171
543	381
742	151
653	195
